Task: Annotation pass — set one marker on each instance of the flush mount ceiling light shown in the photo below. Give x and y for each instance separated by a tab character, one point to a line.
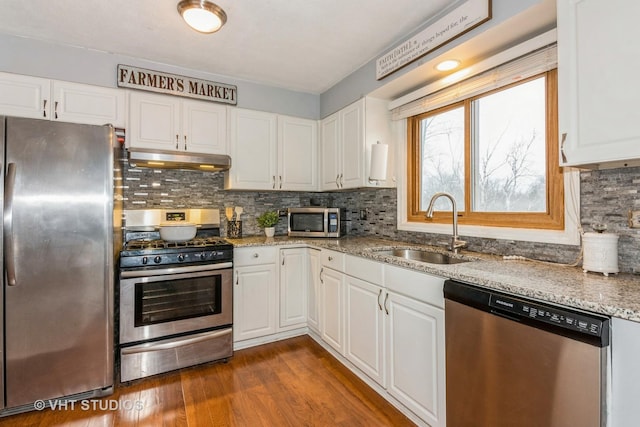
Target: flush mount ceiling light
448	65
202	15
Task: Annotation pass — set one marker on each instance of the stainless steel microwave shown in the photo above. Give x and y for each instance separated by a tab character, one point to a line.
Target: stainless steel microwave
316	222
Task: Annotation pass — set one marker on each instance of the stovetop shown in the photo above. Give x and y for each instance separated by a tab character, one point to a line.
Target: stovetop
146	250
155	244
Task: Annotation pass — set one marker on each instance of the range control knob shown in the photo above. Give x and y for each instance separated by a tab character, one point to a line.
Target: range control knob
145	260
203	256
157	260
180	257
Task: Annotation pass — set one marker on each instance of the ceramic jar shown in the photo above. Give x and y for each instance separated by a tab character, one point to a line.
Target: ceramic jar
600	253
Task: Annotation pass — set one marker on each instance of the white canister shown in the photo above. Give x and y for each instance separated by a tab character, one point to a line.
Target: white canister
600	253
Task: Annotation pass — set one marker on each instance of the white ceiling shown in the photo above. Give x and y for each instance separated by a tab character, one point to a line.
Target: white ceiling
303	45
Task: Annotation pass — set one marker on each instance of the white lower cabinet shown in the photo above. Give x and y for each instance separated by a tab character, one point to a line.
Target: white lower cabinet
313	290
365	337
414	306
415	356
394	330
255	293
331	308
293	287
386	321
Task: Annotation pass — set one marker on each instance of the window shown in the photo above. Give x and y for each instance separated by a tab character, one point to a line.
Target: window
496	153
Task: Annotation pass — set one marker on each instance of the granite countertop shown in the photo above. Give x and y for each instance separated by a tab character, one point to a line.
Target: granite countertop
616	295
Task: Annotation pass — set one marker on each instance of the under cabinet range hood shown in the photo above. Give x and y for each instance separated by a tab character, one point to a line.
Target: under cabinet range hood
159	159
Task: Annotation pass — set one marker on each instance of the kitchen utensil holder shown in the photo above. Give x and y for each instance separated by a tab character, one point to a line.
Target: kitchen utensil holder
234	229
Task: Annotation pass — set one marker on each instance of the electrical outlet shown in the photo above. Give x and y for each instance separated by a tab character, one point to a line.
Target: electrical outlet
634	219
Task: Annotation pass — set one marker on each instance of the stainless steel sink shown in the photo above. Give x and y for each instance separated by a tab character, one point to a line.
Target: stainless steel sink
422	256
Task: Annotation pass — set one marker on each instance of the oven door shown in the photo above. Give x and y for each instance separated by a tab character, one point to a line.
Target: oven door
177	301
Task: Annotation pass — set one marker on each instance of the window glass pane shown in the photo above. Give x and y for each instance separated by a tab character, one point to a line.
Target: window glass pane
442	158
509	150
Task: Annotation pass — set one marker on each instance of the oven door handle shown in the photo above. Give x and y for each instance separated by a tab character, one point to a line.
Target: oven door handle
175	270
193	339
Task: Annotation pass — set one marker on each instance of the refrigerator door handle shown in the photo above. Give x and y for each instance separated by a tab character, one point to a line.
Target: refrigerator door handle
9	261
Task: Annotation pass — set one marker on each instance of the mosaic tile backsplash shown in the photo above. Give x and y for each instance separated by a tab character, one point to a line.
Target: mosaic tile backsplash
606	196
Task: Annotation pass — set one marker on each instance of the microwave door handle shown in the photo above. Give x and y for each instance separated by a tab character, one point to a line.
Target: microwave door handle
9	260
326	223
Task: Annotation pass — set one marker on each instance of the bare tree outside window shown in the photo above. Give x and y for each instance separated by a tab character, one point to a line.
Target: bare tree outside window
496	152
510	150
442	152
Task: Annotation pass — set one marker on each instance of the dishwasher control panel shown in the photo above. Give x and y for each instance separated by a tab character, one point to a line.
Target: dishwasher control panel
552	315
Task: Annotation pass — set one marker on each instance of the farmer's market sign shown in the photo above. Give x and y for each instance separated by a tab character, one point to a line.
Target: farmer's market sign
172	84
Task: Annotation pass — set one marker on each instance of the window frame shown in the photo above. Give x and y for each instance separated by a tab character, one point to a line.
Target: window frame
552	219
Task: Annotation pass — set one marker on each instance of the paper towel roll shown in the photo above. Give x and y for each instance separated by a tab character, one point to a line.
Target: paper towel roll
379	153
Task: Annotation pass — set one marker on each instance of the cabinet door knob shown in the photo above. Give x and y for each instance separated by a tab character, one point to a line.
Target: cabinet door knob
330	258
256	255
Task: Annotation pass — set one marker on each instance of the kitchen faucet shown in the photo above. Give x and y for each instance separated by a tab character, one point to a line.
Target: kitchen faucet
455	242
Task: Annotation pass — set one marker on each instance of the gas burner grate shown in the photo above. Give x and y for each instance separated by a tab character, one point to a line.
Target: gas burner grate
161	244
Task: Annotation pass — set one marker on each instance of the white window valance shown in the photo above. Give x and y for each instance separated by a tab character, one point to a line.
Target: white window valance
523	67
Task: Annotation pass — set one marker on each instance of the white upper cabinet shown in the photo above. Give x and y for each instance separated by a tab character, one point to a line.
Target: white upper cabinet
253	149
271	152
346	140
25	96
598	56
169	123
297	154
330	146
94	105
204	127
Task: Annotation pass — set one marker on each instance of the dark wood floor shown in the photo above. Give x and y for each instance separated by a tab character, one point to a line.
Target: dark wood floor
288	383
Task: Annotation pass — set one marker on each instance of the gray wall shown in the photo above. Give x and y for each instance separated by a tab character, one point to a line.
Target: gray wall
80	65
363	81
606	197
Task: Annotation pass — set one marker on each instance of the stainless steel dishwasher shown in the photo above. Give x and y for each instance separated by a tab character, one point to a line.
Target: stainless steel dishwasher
516	362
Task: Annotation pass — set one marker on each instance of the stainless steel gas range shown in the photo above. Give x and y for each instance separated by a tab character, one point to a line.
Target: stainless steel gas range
176	299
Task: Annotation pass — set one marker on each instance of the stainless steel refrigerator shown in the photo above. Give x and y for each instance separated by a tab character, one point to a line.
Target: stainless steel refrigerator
58	261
